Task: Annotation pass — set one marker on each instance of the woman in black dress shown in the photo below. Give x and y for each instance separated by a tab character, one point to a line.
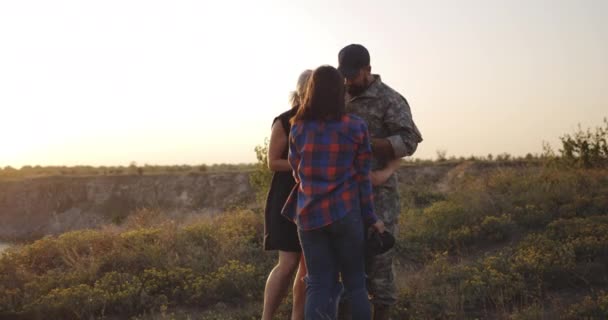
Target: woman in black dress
279	233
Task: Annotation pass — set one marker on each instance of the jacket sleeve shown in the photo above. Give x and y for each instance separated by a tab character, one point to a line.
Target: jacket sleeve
404	135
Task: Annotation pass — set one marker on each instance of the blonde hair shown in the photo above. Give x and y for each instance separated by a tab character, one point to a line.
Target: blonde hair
297	95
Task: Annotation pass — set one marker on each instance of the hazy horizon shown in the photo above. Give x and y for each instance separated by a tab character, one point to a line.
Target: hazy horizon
188	82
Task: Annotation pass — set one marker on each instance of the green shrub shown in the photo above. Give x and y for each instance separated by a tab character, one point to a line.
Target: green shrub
232	282
531	312
496	229
77	302
137	250
592	307
585	148
587	236
144	270
176	283
261	176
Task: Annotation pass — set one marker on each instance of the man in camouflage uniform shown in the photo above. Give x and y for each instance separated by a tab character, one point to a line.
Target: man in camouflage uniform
394	135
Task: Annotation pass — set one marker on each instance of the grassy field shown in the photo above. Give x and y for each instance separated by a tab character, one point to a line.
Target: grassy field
514	243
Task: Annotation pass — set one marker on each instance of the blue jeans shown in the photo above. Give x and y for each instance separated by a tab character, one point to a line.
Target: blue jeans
328	251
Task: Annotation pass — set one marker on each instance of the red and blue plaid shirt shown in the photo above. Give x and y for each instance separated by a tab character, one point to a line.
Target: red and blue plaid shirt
331	162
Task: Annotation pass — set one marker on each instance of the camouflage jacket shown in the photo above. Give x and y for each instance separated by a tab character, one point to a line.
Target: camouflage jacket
388	116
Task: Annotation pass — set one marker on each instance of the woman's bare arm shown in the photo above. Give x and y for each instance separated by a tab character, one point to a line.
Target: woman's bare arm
276	147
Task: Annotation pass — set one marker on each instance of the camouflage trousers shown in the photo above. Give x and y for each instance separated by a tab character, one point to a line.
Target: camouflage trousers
380	273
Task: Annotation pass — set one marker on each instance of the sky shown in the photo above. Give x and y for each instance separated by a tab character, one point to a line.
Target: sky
191	82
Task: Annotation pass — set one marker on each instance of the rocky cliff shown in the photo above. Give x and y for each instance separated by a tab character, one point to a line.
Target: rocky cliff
32	208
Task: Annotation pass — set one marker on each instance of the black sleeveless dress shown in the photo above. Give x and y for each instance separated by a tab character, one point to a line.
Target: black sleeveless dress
280	233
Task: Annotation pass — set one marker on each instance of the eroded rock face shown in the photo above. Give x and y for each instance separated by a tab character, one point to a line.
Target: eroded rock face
35	207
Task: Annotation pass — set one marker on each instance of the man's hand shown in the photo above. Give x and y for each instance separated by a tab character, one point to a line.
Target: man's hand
382	148
379	177
378	226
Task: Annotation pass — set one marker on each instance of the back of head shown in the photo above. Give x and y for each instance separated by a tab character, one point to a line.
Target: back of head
297	95
352	59
324	96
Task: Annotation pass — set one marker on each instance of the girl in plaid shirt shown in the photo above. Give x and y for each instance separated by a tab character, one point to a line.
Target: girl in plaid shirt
331	202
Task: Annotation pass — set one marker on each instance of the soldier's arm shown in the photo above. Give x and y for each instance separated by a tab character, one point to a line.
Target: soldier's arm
404	135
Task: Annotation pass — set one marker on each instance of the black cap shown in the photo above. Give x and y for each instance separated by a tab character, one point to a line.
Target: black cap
351	59
379	243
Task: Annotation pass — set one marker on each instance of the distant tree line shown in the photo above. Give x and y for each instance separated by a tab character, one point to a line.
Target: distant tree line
587	148
133	168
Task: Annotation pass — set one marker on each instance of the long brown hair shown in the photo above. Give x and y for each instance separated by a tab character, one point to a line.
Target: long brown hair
324	97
